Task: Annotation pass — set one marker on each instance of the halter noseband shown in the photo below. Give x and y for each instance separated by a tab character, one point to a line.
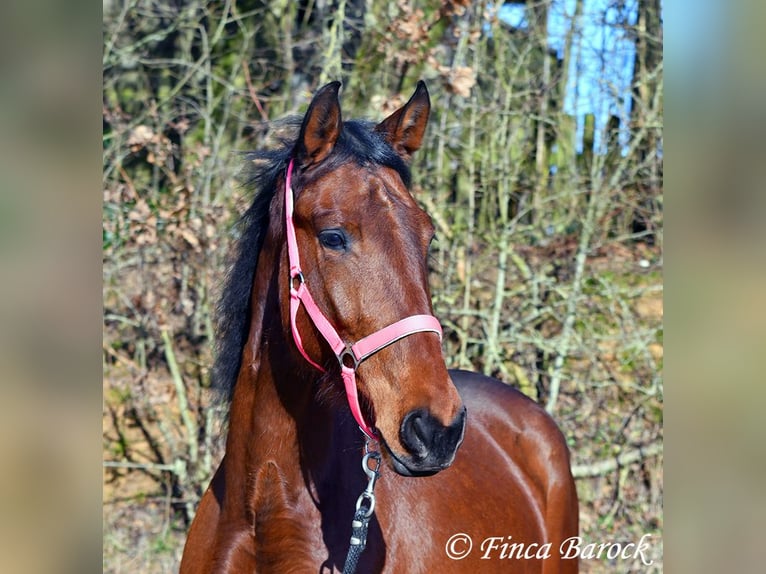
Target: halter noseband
354	353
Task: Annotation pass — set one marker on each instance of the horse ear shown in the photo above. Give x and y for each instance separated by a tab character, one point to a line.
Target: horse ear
321	127
405	128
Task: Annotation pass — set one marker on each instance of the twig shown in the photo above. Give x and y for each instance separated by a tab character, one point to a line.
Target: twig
573	299
251	91
183	403
332	56
603	467
138	465
116	32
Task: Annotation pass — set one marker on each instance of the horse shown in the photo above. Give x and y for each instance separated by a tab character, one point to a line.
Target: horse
326	329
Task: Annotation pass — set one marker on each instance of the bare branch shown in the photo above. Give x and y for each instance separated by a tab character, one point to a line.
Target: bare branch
603	467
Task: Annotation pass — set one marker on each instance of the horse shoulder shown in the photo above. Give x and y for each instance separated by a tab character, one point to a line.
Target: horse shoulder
515	422
530	438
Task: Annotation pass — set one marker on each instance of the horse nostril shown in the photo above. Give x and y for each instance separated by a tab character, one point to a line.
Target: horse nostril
425	437
422	430
431	446
416	433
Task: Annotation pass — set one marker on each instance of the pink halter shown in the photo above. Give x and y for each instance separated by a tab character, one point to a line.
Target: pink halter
354	352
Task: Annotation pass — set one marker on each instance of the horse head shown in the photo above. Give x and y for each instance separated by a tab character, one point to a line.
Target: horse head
362	242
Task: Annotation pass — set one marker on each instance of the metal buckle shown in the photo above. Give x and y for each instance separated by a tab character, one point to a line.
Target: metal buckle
301	281
348	352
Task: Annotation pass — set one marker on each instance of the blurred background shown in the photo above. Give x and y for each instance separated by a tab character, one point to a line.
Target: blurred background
543	172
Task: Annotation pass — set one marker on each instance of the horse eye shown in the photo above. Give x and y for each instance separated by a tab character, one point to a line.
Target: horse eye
334	239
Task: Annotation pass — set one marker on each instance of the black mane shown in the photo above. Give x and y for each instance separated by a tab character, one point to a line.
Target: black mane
357	143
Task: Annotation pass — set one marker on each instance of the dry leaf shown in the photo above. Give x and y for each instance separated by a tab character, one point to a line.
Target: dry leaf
460	80
190	238
139	137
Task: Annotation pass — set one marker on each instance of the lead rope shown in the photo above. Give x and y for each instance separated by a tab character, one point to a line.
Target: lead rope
365	506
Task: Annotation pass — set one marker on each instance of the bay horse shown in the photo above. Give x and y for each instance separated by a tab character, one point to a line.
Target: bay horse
326	327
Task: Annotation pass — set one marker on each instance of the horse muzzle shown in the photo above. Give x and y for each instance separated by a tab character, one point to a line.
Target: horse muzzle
431	446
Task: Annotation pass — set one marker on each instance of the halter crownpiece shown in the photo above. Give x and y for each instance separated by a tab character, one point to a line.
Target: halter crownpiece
353	353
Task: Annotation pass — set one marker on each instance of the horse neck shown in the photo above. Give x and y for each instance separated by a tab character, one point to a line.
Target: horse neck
275	416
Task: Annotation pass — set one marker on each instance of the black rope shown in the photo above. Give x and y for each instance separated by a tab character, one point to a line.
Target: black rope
358	539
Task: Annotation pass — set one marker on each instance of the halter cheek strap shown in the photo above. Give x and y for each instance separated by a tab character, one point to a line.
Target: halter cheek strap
349	355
